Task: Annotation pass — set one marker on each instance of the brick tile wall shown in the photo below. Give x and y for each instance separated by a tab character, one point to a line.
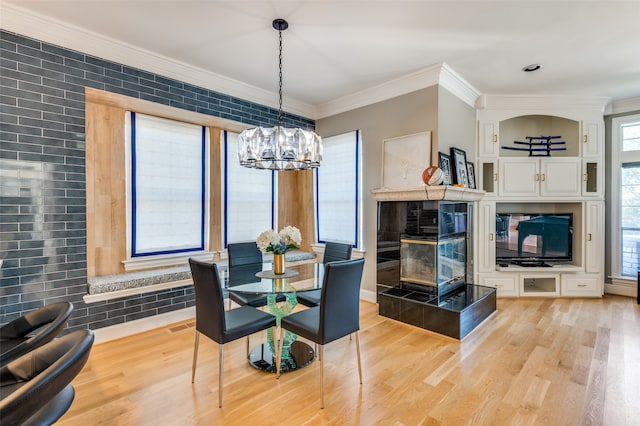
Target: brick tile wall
42	173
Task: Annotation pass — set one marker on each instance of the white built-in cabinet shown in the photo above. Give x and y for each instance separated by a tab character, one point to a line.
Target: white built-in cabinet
568	180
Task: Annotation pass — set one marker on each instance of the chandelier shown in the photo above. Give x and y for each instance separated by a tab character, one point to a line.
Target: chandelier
279	148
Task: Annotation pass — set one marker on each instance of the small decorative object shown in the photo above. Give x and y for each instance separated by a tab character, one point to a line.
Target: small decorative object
432	175
445	166
471	175
544	144
459	163
279	243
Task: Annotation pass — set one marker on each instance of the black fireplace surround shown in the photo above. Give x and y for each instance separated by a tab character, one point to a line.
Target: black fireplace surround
423	267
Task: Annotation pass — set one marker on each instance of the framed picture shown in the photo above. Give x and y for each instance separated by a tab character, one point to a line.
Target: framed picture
445	164
403	160
459	166
471	175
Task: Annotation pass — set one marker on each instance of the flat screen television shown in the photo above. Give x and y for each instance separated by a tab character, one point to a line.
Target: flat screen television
532	239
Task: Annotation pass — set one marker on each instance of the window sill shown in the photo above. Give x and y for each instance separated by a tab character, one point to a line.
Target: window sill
166	260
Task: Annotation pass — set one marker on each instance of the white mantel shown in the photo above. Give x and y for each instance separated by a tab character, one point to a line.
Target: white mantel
435	193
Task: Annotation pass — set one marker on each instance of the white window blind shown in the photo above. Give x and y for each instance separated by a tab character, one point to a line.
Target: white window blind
167	186
337	190
248	196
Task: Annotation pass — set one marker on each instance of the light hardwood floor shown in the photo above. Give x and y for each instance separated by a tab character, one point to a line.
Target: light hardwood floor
536	361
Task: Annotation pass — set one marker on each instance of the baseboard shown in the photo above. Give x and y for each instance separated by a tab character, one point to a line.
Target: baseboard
368	295
144	324
621	289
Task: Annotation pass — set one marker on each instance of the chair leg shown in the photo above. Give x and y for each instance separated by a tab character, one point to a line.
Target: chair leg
279	355
315	347
358	350
220	373
195	357
321	376
247	347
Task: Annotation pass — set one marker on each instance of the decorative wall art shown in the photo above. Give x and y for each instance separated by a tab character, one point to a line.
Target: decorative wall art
403	160
459	166
445	164
471	175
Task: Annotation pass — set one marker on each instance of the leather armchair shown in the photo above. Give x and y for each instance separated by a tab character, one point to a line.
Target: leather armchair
18	338
36	387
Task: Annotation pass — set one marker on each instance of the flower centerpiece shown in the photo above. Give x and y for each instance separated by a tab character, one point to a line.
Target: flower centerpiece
279	243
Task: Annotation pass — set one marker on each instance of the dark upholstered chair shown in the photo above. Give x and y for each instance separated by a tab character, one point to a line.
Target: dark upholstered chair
36	387
245	260
337	315
32	330
212	320
332	252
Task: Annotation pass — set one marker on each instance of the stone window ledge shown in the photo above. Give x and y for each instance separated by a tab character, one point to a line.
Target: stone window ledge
109	287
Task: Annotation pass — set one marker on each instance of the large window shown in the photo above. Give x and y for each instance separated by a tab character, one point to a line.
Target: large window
337	190
167	186
249	196
626	188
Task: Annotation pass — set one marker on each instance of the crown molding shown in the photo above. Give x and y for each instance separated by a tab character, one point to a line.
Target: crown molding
453	82
53	31
436	74
623	105
543	103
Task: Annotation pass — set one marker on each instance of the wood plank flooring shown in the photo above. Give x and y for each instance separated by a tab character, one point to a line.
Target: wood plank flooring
535	361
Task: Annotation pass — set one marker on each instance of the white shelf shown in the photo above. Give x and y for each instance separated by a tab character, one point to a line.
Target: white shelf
552	269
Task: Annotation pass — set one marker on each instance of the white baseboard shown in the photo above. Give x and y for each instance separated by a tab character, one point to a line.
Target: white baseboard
621	289
144	324
368	295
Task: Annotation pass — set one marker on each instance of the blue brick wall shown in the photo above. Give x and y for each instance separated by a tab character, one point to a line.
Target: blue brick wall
42	173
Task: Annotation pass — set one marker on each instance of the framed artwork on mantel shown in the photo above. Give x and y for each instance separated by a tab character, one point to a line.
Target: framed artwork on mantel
404	159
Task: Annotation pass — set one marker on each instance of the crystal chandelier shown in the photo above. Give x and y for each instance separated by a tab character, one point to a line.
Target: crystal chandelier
279	148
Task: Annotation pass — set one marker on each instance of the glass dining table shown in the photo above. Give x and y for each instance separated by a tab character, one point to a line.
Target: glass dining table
280	291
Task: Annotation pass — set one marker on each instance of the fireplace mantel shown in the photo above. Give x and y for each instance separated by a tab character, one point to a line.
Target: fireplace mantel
421	193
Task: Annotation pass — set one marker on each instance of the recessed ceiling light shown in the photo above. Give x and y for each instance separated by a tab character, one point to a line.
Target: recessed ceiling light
532	68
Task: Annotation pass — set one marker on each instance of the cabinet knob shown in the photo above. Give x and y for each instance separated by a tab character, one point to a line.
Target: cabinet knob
589	236
586	177
495	177
490	236
582	285
495	138
543	177
585	139
537	178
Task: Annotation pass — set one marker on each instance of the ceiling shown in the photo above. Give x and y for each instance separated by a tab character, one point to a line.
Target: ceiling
337	48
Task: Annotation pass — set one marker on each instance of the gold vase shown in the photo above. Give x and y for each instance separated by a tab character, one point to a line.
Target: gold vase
278	264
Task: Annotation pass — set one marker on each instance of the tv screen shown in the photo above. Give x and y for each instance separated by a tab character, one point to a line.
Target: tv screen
530	237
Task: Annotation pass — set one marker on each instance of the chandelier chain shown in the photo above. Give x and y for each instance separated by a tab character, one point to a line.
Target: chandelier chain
280	80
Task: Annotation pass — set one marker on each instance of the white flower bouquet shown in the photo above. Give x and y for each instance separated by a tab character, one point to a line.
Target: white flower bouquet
279	242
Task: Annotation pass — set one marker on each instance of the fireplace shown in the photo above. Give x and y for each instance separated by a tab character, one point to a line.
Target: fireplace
423	261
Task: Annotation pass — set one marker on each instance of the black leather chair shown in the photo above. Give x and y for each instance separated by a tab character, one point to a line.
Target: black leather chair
245	260
212	320
32	330
333	252
337	315
36	387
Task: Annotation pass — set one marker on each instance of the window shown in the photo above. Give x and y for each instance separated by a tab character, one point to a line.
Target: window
337	190
167	186
249	196
626	196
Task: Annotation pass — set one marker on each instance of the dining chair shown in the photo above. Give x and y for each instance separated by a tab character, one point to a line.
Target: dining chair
217	324
337	315
332	252
32	330
35	389
245	260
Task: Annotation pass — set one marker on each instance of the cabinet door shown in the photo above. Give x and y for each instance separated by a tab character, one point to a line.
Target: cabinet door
560	177
518	176
487	175
539	285
488	139
591	140
506	284
594	237
487	234
592	177
581	285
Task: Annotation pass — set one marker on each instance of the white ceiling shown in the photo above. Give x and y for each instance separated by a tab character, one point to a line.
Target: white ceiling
336	48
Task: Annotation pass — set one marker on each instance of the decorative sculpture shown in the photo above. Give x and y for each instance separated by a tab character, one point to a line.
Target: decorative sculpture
536	144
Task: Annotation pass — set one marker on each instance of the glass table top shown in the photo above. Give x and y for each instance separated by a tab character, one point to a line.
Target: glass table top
243	279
